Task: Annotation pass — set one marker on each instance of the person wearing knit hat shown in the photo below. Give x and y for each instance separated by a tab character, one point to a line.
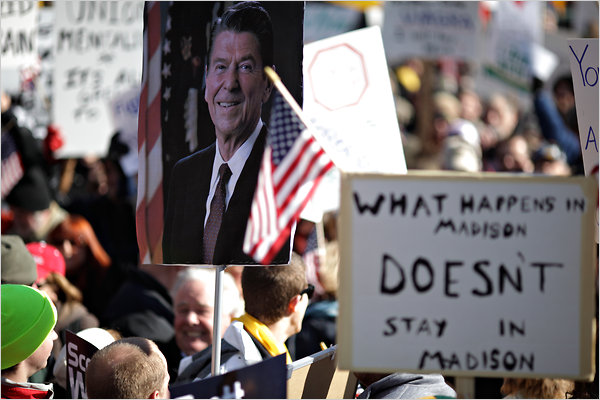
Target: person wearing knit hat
28	319
18	265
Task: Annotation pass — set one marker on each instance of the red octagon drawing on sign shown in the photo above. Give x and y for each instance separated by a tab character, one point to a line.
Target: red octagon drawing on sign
338	76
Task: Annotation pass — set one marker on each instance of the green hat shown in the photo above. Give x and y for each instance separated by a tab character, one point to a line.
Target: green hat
28	316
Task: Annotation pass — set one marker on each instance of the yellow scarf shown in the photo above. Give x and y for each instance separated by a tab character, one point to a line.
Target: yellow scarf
264	335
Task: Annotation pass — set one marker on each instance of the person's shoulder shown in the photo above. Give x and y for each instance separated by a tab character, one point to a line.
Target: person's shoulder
206	154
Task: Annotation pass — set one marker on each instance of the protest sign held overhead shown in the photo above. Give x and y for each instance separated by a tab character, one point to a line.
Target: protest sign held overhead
18	41
98	54
431	30
457	273
509	43
347	94
584	70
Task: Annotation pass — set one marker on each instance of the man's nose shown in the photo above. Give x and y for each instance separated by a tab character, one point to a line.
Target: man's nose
231	80
192	318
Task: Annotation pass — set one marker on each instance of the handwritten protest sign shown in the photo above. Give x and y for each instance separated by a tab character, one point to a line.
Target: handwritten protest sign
18	41
79	354
98	54
584	69
430	30
347	92
487	275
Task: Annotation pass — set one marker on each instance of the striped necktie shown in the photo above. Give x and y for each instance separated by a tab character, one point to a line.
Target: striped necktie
217	209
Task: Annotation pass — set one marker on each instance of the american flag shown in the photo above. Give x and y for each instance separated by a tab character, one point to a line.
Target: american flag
292	167
12	166
149	206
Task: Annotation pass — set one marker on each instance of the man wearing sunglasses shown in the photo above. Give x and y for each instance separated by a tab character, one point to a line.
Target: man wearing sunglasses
275	299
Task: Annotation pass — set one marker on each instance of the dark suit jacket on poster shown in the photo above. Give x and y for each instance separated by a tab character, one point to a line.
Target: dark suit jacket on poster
186	210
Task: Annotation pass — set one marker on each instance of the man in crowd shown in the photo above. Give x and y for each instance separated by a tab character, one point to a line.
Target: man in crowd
28	320
275	298
193	303
18	265
130	368
211	191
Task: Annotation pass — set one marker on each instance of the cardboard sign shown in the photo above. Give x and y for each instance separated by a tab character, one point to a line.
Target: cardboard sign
317	377
18	41
431	30
508	49
249	382
79	354
347	93
481	275
584	69
323	20
98	54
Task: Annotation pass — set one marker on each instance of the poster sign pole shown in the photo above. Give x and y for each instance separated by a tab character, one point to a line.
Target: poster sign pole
216	348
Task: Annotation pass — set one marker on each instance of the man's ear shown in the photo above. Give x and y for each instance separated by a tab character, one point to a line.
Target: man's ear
154	395
293	304
269	87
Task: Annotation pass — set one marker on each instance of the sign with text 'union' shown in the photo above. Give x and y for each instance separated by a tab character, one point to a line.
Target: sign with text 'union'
482	275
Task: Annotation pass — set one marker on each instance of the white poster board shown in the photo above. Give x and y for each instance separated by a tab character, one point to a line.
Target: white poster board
584	70
18	42
515	28
98	53
347	92
480	275
431	29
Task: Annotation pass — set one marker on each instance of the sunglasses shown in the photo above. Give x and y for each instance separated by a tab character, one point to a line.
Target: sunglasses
310	290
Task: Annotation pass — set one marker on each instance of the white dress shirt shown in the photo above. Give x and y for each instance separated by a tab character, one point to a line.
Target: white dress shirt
236	165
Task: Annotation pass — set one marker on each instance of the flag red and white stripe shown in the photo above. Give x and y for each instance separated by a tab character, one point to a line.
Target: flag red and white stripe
12	166
292	167
149	207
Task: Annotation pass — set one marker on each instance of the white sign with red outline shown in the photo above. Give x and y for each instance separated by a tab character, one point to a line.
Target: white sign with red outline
348	97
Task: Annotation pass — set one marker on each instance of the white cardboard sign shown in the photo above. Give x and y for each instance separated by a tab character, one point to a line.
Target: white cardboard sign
431	29
584	69
515	28
18	42
347	93
98	54
481	275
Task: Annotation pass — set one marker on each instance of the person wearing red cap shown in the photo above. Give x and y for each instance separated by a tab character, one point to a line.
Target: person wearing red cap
51	267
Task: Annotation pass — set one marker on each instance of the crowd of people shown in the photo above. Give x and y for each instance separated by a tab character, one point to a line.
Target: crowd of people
70	260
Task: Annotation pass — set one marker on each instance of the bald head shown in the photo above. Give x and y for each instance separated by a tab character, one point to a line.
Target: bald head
130	368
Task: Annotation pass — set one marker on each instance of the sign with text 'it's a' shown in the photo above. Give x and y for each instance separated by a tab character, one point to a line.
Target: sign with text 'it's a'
98	55
481	275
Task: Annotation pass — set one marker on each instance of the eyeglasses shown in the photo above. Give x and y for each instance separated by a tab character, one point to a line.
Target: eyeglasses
310	290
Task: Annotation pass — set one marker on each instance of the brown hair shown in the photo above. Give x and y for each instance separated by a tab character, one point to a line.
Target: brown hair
537	388
64	289
78	230
130	368
268	290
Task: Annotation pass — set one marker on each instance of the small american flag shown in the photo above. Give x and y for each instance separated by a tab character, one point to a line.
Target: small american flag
292	167
12	166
